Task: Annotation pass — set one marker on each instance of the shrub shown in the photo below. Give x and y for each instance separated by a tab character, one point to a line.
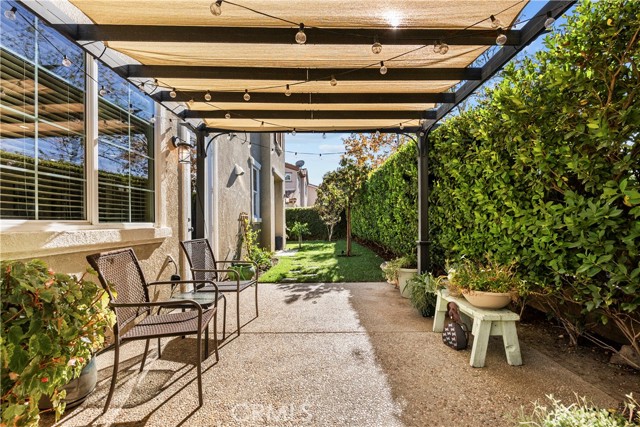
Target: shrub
51	325
317	228
423	293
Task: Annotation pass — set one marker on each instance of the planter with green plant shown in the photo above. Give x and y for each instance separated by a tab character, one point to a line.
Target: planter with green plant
423	293
407	269
486	284
52	324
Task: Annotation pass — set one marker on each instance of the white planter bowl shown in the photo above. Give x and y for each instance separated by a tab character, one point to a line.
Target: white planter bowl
491	300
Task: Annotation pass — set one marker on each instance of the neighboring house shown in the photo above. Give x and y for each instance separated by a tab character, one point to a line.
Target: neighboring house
88	161
298	191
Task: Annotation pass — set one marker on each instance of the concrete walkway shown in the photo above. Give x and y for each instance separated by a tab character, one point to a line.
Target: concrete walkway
326	355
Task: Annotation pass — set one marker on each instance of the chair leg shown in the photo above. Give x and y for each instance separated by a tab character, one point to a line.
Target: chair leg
159	349
206	341
199	367
215	336
116	361
144	356
224	319
238	311
256	299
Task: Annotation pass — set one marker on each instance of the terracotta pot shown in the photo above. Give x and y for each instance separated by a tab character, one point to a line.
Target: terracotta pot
492	300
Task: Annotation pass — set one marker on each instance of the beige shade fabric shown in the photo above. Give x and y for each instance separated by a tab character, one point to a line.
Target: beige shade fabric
325	15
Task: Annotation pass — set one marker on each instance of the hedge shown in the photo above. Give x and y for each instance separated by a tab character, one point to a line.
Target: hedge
386	213
317	228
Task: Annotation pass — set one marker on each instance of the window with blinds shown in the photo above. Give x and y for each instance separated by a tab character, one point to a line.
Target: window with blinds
42	138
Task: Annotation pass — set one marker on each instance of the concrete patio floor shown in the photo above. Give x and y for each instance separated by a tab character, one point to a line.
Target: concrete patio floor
352	354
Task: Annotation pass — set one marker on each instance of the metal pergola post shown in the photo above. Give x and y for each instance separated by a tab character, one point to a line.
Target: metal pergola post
200	211
424	254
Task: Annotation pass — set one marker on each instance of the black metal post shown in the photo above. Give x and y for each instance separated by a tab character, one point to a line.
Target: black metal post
424	255
200	185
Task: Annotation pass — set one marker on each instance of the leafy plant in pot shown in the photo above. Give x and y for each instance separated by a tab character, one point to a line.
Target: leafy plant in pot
407	268
423	293
52	323
485	284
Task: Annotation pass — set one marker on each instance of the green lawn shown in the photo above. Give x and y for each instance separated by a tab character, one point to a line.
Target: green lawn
320	261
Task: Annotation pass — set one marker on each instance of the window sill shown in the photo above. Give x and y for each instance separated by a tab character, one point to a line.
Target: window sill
40	243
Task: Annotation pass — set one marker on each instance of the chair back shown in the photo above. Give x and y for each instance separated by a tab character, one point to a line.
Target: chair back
200	257
121	276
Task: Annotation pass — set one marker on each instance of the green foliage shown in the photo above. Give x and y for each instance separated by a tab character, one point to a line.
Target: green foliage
244	272
581	414
261	256
423	293
387	211
51	325
311	216
299	229
488	276
330	204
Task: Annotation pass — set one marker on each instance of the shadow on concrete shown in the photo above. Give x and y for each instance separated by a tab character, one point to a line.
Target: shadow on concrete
307	291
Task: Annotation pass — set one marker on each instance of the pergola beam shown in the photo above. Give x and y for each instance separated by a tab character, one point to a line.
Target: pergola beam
252	35
310	115
311	98
288	75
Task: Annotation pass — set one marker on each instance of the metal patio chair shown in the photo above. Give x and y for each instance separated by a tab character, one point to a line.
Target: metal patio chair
204	267
122	278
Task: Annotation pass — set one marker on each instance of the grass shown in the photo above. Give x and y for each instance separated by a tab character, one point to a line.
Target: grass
320	261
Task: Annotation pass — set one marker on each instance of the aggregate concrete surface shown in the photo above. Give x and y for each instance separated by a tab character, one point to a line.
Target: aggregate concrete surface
352	354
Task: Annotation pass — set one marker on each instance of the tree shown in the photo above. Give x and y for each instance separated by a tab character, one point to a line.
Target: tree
299	229
348	180
330	203
372	149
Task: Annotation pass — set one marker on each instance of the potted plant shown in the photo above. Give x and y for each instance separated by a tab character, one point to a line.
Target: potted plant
485	284
423	293
52	323
408	267
243	271
390	271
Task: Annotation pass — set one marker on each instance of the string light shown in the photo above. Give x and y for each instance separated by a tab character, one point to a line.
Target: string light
152	120
333	81
293	132
301	37
227	116
287	91
216	8
377	134
324	135
262	124
66	61
441	47
401	126
246	95
173	93
103	91
141	86
207	96
548	23
383	68
10	14
502	38
376	47
496	22
192	100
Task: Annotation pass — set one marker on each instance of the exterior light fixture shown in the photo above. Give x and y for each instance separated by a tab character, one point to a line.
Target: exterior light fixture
207	96
237	170
301	37
216	8
383	68
10	14
548	23
66	61
502	37
184	149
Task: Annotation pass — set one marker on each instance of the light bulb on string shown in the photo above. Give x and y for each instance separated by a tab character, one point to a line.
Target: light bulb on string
548	23
437	47
10	14
152	119
444	48
293	132
324	135
376	47
66	61
377	134
207	96
333	81
287	91
401	126
192	100
502	38
141	86
301	37
103	91
383	68
496	22
216	8
320	154
173	93
246	95
227	116
262	124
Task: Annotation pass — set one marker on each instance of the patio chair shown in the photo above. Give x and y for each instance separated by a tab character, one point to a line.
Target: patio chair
204	267
122	278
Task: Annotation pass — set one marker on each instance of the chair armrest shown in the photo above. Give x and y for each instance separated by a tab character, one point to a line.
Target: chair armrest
241	262
161	304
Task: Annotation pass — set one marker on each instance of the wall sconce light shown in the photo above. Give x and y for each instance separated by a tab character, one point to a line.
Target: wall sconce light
184	149
238	170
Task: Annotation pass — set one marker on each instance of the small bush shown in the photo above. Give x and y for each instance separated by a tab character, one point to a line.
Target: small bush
317	228
423	297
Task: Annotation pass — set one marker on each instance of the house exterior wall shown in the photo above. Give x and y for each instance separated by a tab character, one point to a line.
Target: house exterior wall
312	194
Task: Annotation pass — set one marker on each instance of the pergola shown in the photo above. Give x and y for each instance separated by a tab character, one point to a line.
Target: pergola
308	65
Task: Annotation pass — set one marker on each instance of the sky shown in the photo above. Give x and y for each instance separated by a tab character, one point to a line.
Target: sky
319	152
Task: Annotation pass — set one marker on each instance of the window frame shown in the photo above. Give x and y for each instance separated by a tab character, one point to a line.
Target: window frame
255	187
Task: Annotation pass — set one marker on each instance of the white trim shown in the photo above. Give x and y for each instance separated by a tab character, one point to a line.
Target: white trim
91	139
255	172
159	216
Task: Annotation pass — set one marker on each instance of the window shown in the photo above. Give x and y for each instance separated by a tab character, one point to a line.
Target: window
42	137
278	141
43	161
125	151
255	190
287	176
